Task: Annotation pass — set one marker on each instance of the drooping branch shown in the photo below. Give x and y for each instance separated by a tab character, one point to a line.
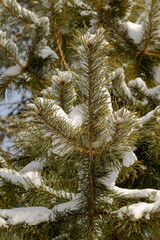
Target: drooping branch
117	92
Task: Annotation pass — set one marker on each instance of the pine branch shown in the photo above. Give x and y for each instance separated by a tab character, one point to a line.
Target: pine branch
117	92
92	204
58	37
119	34
90	97
90	169
54	129
27	16
61	95
143	52
36	75
101	150
12	50
7	152
13	13
78	8
33	48
45	190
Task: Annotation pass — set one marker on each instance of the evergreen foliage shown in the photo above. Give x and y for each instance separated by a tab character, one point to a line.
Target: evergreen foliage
86	155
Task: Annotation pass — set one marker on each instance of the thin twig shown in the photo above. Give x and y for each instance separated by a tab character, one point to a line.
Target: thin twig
58	37
6	152
143	52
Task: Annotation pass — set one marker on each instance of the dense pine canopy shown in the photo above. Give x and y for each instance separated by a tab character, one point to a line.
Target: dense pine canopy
85	160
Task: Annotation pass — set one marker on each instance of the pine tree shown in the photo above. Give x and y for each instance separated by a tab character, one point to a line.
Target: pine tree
87	153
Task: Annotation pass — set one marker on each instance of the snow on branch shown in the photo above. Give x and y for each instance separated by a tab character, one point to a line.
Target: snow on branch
11	48
129	158
120	87
140	86
27	215
151	114
26	15
36	215
3	162
71	205
128	92
83	8
151	194
57	121
47	51
62	90
30	177
139	210
25	179
12	71
134	31
32	166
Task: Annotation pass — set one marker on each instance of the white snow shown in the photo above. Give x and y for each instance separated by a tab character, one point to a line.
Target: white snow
119	80
68	206
32	166
155	92
148	116
123	114
134	30
58	147
77	115
138	83
91	37
57	110
12	71
60	193
83	5
47	51
151	194
108	99
109	181
35	215
62	236
3	35
157	74
139	210
66	76
28	215
129	158
21	178
3	162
